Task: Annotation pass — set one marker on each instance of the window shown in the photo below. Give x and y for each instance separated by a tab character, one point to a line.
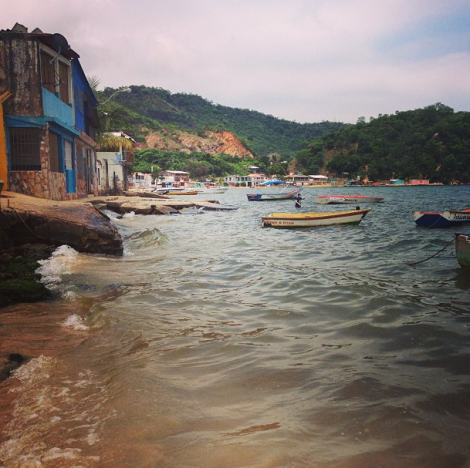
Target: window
55	76
54	152
64	82
47	72
25	146
68	160
80	163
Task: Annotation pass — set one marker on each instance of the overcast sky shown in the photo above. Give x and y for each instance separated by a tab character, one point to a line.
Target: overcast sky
301	60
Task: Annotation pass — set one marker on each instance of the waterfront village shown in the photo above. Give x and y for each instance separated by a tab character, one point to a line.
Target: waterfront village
49	121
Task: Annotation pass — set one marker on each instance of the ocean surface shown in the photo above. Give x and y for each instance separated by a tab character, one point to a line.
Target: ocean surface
217	343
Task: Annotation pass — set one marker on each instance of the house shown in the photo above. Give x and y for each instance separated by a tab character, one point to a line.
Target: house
87	122
113	166
250	180
297	179
419	182
173	178
49	118
318	179
140	180
396	182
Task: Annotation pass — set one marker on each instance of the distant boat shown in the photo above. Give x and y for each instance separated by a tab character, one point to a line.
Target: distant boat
203	187
295	220
273	196
462	250
181	192
342	199
441	219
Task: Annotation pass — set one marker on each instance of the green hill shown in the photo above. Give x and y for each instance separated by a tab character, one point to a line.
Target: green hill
153	109
431	143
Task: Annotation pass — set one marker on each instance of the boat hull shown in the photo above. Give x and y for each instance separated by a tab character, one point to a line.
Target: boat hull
272	196
345	199
462	250
441	219
296	220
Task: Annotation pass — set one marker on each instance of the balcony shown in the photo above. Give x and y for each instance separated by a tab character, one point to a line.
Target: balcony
57	109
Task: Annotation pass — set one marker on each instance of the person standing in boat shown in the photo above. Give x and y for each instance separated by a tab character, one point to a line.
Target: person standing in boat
298	201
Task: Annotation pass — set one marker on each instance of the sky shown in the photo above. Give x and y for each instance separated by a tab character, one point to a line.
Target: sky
299	60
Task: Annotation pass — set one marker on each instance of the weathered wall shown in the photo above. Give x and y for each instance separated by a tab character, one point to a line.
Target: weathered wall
43	183
19	74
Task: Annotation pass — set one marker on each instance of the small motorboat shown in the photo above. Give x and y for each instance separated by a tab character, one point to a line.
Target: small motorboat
295	220
462	249
343	199
441	219
273	196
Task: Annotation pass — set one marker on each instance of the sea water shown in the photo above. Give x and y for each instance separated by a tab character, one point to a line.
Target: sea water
214	342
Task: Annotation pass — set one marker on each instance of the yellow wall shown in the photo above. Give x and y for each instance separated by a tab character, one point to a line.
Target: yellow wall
3	143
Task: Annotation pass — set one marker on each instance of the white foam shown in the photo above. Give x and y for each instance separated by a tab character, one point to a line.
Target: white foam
75	322
60	263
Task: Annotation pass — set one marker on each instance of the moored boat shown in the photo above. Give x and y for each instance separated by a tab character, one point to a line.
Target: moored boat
441	219
462	250
294	220
182	192
344	199
273	196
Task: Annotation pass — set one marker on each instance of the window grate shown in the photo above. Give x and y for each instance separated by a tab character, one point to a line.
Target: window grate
25	149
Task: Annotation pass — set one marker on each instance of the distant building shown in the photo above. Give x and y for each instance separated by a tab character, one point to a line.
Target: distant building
49	118
318	179
113	166
250	180
297	179
173	178
419	182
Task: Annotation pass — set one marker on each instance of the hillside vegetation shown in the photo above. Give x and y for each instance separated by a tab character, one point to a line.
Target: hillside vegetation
431	143
147	110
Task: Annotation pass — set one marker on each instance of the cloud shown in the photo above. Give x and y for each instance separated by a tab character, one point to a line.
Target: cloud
303	60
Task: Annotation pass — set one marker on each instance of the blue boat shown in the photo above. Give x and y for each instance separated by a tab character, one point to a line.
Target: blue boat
441	219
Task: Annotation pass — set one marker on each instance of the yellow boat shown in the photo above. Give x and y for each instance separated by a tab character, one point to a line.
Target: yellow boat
295	220
182	192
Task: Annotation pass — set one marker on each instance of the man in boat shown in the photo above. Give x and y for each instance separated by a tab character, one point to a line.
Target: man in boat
298	201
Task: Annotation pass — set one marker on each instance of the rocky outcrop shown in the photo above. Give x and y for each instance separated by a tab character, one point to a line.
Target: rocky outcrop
211	142
80	225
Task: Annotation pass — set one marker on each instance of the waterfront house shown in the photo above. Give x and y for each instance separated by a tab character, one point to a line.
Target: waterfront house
297	179
251	180
419	182
49	124
173	179
113	164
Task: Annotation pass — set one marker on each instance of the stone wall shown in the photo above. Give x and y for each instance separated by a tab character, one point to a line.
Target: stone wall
43	183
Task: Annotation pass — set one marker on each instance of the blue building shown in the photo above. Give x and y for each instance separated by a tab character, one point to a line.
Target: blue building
50	117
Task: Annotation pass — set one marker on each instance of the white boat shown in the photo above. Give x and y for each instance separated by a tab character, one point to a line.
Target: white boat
273	196
209	188
295	220
344	199
462	250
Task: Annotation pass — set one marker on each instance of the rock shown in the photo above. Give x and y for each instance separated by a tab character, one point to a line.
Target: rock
13	362
77	224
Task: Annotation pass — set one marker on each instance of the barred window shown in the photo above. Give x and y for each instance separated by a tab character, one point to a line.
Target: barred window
25	146
54	152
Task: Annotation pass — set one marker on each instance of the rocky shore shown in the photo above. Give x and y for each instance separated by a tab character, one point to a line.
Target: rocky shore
31	228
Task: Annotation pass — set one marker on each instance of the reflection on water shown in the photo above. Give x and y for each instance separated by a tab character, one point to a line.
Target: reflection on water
216	343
